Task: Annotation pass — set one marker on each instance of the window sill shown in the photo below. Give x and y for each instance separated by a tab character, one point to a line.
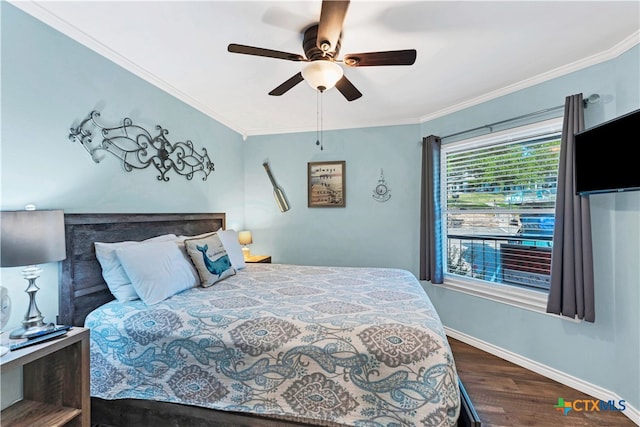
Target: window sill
517	297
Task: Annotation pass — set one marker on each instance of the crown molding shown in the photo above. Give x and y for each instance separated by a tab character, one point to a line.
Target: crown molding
39	12
361	125
614	52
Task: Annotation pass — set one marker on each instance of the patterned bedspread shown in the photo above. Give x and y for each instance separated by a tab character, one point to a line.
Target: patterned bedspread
353	346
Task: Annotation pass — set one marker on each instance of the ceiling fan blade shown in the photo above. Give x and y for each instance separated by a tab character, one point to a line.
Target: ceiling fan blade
330	25
287	85
371	59
347	89
258	51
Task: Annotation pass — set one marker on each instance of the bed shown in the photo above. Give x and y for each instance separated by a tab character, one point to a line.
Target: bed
272	345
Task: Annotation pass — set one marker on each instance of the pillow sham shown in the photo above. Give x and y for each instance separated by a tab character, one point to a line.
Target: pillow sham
112	271
157	270
210	258
180	242
229	239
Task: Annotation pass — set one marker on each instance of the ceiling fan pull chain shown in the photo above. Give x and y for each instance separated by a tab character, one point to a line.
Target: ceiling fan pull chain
321	122
318	120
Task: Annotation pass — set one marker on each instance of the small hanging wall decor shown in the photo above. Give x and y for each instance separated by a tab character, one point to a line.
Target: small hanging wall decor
138	149
381	193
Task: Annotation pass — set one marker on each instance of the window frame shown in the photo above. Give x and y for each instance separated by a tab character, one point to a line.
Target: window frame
530	299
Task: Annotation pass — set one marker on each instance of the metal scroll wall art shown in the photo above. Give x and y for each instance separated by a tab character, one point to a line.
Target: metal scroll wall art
137	148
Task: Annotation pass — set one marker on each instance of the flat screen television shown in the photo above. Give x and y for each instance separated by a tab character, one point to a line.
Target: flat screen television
606	158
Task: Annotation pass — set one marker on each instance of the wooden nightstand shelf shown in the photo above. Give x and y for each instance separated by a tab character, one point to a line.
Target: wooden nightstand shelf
258	258
55	382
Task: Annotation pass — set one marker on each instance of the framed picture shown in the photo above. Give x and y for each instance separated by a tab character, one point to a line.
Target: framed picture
326	184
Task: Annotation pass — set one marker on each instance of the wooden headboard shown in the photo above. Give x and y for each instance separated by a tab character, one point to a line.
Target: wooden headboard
82	287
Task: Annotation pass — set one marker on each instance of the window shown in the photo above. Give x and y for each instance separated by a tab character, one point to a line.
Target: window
498	194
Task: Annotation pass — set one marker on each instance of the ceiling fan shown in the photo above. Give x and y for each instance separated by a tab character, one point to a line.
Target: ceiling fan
321	44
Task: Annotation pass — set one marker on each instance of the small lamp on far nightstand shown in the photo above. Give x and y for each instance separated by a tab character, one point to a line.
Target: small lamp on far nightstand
244	237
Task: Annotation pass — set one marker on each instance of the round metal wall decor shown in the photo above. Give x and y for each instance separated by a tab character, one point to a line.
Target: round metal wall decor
381	193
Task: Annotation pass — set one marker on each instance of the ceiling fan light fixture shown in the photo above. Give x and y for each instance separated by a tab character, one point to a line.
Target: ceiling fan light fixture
322	75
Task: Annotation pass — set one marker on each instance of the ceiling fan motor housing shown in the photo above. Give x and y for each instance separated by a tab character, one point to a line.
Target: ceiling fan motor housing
311	50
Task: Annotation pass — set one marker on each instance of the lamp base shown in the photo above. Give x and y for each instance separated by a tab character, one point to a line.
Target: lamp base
246	253
32	323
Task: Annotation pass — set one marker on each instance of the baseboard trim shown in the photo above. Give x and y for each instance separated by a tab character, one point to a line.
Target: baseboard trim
562	377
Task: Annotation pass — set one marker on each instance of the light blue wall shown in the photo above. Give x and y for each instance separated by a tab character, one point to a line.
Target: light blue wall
50	83
606	353
366	232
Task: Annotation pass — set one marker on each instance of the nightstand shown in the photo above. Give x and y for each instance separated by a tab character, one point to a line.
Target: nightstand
55	382
258	258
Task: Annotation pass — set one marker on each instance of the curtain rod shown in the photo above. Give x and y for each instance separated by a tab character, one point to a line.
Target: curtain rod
491	125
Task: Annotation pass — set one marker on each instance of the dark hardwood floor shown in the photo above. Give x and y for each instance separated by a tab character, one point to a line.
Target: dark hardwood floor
506	395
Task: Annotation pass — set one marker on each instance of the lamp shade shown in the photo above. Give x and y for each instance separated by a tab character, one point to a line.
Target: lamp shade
244	237
322	75
31	237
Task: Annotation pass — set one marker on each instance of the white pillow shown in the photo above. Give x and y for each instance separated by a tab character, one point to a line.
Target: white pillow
229	239
112	272
157	270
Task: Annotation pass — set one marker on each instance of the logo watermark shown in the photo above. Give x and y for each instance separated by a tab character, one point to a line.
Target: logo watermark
589	405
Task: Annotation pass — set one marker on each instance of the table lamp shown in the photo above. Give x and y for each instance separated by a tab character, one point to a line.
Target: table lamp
28	238
244	237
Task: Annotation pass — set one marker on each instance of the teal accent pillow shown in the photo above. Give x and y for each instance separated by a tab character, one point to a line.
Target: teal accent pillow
210	258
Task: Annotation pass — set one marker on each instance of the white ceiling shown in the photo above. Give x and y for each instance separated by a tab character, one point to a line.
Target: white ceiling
468	52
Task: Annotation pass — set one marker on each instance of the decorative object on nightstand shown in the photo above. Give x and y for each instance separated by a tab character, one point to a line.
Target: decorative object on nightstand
28	238
244	237
5	313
